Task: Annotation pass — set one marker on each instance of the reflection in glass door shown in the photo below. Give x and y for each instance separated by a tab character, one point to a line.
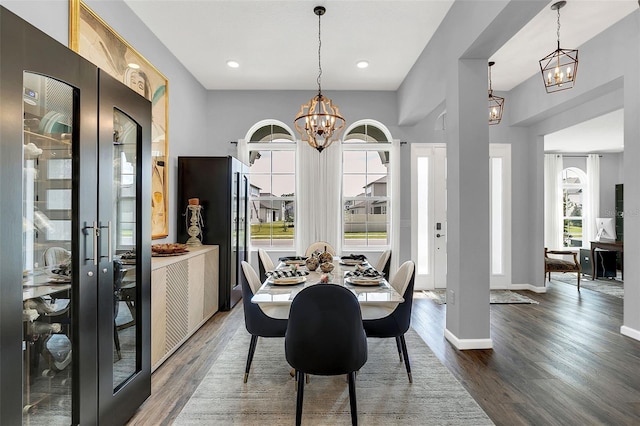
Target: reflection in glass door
47	254
123	251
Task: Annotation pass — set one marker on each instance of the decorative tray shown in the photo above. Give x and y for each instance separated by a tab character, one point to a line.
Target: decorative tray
172	249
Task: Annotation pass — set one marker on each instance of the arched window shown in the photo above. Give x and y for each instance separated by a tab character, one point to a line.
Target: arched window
573	194
270	150
369	156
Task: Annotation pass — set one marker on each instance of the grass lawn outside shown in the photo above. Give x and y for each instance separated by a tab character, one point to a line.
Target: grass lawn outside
276	231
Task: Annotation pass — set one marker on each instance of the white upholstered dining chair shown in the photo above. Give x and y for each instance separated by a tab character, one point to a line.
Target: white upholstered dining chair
266	264
321	246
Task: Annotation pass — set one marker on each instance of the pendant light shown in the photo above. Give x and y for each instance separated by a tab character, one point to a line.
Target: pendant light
319	121
496	103
559	68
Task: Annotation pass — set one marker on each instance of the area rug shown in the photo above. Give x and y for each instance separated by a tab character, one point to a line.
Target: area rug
612	287
495	297
384	394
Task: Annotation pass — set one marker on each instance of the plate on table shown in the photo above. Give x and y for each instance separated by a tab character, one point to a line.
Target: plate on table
372	281
287	280
295	262
352	262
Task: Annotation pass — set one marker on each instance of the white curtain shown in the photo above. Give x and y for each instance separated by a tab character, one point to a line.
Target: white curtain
553	226
318	213
592	199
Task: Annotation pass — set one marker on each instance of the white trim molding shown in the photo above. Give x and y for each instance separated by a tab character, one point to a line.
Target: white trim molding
630	332
528	287
466	344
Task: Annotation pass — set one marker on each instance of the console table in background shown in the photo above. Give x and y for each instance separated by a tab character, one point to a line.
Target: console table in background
184	295
610	246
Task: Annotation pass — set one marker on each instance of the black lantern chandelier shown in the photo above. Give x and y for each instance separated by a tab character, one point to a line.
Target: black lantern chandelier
319	121
559	68
496	103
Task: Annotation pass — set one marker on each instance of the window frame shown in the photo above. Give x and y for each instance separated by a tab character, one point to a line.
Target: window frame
248	146
392	198
581	186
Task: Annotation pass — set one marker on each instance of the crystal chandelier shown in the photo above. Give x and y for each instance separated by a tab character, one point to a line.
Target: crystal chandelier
559	68
496	103
319	121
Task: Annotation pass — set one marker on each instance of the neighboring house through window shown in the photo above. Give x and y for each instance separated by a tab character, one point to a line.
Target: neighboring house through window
367	151
271	152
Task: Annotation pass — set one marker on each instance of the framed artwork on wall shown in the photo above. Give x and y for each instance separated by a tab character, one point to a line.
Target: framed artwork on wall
95	40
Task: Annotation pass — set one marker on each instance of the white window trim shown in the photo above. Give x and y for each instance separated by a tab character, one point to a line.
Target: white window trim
582	185
245	146
393	191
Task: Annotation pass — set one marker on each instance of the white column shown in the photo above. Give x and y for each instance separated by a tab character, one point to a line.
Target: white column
631	319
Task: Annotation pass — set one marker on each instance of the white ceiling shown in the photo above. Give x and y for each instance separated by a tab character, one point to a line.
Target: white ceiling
601	134
276	42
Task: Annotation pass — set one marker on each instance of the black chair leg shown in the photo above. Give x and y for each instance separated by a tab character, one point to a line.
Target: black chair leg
399	348
252	349
116	340
352	398
300	376
406	357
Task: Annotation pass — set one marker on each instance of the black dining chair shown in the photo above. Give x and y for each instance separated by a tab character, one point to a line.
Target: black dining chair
396	324
258	323
325	337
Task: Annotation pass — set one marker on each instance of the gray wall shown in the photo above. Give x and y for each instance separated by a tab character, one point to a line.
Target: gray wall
187	97
611	173
203	123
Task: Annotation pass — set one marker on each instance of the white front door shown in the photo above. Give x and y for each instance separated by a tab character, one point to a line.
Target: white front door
429	214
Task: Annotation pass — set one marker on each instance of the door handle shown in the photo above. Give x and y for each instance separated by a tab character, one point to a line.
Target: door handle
439	235
96	233
109	242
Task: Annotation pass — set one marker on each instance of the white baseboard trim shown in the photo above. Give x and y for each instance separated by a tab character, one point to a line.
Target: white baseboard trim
528	287
465	344
630	332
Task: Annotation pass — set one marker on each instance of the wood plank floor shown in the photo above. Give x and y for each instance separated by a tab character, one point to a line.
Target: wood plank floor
562	362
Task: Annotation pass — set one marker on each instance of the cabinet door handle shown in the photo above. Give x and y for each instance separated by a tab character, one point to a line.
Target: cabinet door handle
109	242
96	233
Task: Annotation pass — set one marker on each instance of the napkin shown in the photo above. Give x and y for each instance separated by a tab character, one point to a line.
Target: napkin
285	273
368	272
285	258
354	257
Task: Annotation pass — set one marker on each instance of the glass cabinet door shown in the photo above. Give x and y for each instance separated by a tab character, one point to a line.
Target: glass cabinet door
47	250
75	330
124	266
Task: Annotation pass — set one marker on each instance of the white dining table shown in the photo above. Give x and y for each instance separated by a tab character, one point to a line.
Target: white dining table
382	294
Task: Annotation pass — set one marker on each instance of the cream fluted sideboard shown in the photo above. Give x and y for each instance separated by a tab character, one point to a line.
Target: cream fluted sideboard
184	295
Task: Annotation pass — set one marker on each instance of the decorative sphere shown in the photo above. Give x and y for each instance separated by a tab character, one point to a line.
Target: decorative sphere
326	267
325	257
312	263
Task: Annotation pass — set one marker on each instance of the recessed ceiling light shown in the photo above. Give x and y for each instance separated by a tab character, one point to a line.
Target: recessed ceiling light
233	64
362	64
133	66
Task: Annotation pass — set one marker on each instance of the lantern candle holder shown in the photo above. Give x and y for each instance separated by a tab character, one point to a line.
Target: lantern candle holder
195	223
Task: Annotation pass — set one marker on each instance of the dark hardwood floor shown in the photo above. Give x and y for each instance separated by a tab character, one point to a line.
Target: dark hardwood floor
561	362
